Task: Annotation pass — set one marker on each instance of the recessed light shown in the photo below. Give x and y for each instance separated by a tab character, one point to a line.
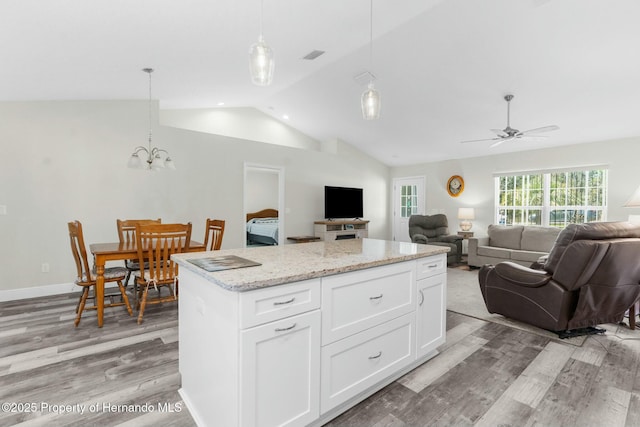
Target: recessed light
220	104
285	116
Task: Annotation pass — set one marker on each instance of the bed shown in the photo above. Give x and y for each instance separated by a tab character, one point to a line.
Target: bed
262	227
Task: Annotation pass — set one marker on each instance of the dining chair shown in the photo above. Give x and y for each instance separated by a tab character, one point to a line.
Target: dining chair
86	277
213	233
156	243
127	234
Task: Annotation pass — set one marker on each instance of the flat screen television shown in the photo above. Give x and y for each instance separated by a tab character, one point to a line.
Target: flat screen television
342	202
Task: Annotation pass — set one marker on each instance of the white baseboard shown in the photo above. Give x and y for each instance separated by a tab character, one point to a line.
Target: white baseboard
42	291
37	291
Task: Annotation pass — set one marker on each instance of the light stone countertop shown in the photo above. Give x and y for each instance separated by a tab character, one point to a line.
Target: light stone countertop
302	261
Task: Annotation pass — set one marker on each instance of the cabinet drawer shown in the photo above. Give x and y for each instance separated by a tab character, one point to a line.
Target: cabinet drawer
353	365
427	267
353	302
277	302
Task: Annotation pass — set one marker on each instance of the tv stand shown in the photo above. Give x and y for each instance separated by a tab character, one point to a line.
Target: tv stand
338	229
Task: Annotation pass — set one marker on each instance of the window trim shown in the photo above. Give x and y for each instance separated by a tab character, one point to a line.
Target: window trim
546	208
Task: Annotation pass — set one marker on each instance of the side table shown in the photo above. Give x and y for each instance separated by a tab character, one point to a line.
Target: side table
465	235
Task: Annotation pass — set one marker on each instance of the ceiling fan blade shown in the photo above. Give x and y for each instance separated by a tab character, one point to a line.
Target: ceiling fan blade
479	140
500	141
540	130
501	133
523	135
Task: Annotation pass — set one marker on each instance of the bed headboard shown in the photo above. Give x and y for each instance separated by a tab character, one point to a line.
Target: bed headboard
265	213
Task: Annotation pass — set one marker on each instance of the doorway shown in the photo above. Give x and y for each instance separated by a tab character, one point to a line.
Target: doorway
264	196
408	199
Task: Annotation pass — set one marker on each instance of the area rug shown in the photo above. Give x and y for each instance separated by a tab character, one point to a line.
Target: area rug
464	297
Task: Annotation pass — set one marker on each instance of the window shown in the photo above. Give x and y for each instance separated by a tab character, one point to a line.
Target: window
409	200
554	198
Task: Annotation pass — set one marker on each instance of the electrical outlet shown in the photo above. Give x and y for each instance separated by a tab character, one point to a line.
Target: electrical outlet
45	267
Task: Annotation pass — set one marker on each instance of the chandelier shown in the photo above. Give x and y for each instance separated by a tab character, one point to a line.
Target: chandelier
155	158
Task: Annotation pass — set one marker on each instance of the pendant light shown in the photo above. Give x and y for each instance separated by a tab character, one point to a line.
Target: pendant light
371	97
155	158
261	62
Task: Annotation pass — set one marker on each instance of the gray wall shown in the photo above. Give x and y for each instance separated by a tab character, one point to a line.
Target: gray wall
66	160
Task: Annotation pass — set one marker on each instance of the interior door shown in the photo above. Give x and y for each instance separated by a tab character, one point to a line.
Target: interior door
264	189
408	199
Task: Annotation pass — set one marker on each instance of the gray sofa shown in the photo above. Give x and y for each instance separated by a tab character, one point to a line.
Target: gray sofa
522	244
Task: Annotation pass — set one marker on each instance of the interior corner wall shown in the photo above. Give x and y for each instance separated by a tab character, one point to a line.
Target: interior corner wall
478	174
66	160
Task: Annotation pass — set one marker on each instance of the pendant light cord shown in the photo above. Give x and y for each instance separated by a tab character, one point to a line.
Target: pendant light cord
261	15
371	33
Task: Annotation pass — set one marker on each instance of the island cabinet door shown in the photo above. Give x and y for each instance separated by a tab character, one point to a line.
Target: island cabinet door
430	314
280	378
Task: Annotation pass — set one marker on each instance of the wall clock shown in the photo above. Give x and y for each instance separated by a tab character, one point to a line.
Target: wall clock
455	185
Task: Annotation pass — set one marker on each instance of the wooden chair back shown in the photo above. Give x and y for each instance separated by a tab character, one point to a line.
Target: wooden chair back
79	251
87	279
213	233
156	243
127	228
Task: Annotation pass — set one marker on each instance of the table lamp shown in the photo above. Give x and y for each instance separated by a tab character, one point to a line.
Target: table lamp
466	214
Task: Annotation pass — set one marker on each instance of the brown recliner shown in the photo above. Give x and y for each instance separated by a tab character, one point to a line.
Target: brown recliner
434	230
591	276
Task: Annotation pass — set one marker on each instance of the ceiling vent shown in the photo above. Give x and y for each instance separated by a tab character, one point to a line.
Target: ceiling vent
364	78
313	55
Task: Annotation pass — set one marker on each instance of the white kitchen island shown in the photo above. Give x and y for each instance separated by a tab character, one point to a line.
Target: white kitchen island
313	330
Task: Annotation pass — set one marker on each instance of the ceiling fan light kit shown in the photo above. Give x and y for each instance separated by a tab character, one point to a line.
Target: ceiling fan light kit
509	133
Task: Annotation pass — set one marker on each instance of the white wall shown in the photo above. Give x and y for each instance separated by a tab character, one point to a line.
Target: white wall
621	156
66	160
261	190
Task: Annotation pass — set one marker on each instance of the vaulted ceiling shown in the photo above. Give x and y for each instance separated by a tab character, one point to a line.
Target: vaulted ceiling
442	66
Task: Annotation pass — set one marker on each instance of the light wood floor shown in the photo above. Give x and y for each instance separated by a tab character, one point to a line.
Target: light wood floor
486	374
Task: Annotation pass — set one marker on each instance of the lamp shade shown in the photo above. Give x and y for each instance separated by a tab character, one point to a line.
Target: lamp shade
634	200
134	161
466	213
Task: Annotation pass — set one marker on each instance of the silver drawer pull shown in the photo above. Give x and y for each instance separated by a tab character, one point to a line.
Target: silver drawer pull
422	300
286	329
376	356
432	266
285	302
378	297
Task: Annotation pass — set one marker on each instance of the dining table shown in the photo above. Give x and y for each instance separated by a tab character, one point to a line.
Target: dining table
117	251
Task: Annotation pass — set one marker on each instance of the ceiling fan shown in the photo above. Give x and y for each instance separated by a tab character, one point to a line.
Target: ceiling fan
510	133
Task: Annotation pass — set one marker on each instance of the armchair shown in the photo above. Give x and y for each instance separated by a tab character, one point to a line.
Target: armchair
434	230
591	276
